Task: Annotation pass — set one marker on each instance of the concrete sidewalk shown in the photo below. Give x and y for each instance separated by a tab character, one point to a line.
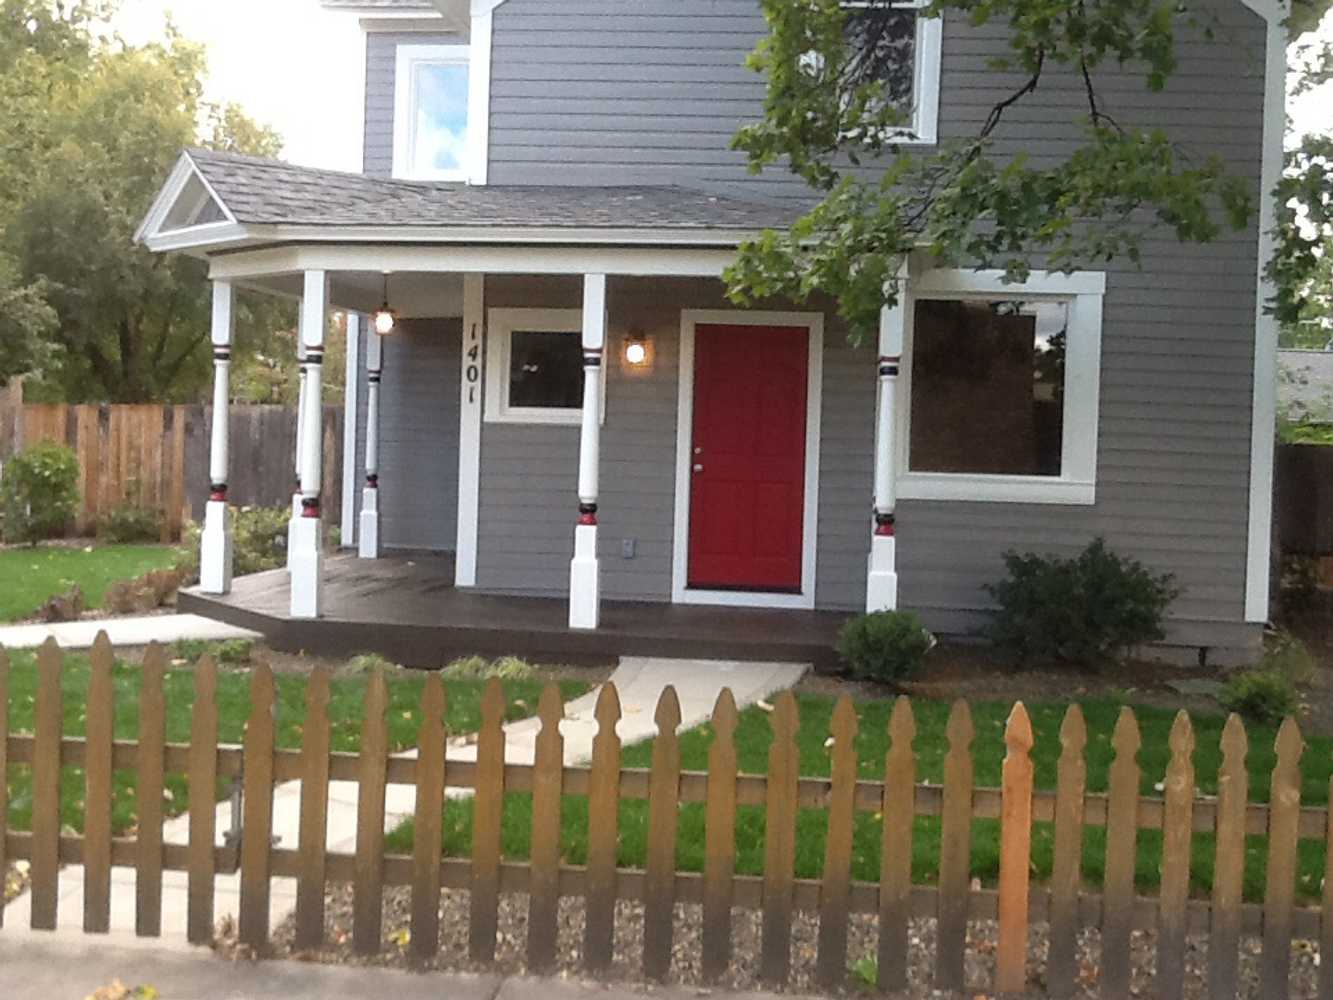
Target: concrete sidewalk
65	968
122	632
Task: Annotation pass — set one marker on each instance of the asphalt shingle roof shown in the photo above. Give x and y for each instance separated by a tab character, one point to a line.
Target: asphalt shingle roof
271	192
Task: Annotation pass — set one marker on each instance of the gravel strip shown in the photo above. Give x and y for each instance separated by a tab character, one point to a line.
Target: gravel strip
746	937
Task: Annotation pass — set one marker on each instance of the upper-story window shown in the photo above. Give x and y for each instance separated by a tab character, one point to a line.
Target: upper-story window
431	128
894	42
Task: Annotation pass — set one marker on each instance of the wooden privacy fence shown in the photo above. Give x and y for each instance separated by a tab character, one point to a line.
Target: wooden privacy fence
156	456
1304	494
1066	903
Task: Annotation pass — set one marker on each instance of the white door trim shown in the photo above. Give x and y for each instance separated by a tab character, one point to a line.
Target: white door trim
680	592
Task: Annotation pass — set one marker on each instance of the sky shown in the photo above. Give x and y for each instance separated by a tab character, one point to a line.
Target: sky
295	66
289	63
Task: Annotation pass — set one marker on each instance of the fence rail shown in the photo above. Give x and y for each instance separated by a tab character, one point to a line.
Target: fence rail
156	456
1064	902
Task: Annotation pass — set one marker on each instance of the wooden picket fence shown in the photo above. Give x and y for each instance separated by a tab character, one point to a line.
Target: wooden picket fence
1065	902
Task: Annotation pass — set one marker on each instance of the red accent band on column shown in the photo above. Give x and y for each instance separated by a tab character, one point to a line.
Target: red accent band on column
310	507
884	525
588	513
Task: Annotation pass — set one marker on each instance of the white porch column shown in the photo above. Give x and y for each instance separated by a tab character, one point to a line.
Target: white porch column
300	435
369	529
585	578
215	561
882	575
307	557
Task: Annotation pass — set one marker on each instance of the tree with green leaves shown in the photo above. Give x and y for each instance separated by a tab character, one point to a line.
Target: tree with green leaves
91	129
837	105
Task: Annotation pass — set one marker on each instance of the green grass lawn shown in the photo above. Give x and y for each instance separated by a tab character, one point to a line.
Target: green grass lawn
753	740
30	576
345	715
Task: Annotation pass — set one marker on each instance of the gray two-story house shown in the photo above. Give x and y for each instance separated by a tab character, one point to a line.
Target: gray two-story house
556	393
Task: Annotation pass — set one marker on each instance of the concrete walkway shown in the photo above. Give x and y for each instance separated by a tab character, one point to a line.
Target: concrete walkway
121	631
54	968
639	682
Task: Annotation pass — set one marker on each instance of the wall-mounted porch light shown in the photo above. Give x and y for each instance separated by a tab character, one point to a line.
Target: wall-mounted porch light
636	349
385	318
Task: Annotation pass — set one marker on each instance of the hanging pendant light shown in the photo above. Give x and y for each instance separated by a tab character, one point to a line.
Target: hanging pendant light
385	319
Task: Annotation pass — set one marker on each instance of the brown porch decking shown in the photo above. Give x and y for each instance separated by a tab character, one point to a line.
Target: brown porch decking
408	610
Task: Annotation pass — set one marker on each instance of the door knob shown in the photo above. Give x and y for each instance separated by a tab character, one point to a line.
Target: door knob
698	468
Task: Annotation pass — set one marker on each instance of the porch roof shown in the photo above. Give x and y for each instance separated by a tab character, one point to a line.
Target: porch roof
215	200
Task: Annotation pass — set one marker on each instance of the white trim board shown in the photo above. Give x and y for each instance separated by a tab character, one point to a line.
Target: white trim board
680	592
471	386
682	262
1263	424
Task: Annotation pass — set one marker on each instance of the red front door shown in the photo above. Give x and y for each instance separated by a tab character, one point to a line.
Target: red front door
747	489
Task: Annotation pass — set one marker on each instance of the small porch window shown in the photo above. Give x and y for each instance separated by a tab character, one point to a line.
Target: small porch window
431	127
534	366
1002	388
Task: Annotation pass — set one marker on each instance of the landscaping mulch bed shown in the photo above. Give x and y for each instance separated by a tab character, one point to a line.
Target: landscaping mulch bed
744	971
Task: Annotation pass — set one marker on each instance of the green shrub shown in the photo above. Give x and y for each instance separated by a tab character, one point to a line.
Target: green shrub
228	652
1263	696
129	523
478	668
39	493
259	541
1086	610
366	663
1289	656
885	646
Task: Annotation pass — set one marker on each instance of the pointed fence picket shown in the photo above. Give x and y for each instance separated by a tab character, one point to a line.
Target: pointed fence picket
1066	902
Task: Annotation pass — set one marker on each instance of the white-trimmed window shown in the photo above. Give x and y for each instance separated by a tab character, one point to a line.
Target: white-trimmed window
534	366
895	42
1001	387
432	132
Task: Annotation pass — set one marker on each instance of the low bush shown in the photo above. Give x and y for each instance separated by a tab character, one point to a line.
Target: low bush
128	524
1289	656
884	646
1086	610
259	541
478	668
1264	696
228	652
153	590
39	493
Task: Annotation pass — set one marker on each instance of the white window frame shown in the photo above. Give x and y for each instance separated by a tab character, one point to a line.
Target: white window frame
1083	292
409	58
924	130
501	325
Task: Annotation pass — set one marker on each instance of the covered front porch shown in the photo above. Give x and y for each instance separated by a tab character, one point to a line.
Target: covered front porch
553	389
407	608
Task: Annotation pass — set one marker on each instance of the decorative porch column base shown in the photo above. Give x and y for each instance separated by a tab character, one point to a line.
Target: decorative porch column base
585	580
368	529
882	578
307	561
291	529
215	549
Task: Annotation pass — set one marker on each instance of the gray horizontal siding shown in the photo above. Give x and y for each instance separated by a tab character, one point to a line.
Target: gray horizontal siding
419	410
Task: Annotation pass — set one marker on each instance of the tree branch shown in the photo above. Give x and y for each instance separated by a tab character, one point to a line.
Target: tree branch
997	112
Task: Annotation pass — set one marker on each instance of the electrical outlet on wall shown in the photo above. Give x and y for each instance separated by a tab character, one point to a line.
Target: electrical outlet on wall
627	548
